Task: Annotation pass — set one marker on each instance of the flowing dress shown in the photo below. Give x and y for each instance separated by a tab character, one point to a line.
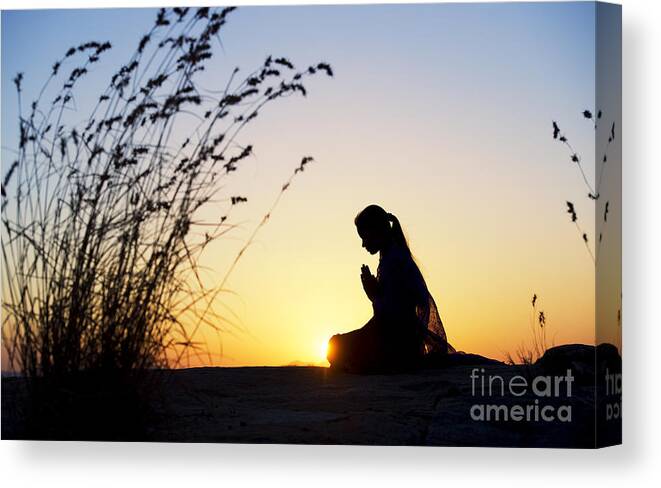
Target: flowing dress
405	328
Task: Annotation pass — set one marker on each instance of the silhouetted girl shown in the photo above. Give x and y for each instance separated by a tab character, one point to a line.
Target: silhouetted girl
406	325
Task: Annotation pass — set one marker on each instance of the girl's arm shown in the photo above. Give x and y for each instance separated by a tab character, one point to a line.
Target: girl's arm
393	298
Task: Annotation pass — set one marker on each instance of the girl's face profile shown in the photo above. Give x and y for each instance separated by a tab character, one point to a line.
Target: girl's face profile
372	239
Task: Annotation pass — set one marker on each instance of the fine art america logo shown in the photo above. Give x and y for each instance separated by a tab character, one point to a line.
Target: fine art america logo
613	395
539	409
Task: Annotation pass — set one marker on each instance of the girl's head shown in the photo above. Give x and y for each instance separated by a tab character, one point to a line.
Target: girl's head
378	229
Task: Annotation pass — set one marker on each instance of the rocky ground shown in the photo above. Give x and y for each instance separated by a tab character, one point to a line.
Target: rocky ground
313	405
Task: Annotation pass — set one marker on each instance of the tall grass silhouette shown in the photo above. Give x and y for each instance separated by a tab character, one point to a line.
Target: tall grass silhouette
593	192
527	355
594	195
101	229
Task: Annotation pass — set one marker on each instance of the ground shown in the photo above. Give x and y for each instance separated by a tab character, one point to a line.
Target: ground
314	405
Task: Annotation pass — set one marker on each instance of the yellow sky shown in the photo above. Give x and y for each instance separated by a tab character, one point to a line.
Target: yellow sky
484	239
447	125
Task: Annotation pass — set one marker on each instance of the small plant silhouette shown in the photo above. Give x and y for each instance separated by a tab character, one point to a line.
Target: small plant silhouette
528	355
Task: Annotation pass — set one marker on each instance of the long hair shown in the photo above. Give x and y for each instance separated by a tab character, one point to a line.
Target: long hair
375	217
434	339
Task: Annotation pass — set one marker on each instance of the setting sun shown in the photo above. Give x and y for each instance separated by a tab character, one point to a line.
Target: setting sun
323	350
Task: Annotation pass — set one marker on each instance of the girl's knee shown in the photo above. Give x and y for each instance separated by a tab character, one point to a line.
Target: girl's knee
331	350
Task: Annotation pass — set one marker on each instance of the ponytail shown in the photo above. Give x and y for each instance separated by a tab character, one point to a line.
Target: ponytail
398	236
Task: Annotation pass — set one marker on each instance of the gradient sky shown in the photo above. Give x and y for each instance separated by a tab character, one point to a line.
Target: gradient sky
440	113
